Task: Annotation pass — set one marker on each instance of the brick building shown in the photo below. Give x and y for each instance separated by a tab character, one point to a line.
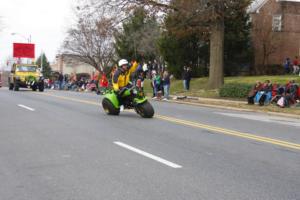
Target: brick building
276	30
66	65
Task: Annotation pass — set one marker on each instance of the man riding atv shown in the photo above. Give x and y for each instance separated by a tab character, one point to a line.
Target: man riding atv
121	78
125	95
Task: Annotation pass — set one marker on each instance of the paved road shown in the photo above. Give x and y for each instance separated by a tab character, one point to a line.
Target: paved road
61	145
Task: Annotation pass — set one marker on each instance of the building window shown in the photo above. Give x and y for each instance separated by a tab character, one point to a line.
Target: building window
277	23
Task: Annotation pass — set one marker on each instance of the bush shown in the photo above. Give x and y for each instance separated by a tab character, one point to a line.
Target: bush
235	90
269	70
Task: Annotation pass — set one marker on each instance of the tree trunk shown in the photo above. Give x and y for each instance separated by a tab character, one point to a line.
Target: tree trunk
216	72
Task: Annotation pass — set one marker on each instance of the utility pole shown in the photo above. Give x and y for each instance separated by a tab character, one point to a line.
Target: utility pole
28	39
42	59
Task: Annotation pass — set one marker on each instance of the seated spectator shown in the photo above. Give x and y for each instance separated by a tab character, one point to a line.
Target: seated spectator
274	89
91	86
264	95
286	95
257	87
292	92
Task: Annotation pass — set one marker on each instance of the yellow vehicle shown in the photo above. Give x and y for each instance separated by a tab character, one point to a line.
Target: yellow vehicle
25	76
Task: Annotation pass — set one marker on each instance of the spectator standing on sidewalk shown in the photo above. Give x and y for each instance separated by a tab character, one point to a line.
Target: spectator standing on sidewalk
166	84
183	77
156	82
287	65
153	72
60	81
187	76
296	65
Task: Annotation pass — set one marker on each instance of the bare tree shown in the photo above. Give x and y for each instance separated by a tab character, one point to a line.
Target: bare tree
91	40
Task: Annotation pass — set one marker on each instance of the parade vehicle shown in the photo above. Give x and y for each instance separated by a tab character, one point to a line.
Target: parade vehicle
25	76
129	98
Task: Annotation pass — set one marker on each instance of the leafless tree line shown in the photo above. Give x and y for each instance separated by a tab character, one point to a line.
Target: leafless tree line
91	40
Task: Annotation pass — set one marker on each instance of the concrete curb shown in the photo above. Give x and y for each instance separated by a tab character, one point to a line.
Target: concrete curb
231	108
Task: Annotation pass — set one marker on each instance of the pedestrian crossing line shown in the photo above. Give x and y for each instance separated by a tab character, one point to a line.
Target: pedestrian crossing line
200	125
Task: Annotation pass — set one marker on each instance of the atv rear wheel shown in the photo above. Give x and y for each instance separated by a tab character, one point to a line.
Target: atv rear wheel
145	110
109	107
41	86
16	86
11	86
34	87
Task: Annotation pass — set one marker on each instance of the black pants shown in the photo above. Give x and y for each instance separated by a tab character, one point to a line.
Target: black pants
262	100
188	84
251	100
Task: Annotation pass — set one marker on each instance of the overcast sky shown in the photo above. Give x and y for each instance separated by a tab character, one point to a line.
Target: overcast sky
46	21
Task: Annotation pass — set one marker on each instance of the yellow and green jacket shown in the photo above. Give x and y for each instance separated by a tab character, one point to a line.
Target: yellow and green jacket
121	79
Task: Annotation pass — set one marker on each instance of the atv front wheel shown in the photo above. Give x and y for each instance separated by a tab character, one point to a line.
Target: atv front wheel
109	107
145	110
11	86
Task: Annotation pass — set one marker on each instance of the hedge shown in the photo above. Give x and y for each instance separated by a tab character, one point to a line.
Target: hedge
235	90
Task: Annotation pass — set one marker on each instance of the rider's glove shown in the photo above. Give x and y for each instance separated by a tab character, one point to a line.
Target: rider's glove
121	92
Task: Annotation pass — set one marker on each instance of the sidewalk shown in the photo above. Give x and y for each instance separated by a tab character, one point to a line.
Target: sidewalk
293	112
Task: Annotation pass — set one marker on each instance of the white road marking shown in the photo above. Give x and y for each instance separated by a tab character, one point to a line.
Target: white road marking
148	155
264	118
26	107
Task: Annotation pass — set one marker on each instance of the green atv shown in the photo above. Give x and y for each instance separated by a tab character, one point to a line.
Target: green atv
131	98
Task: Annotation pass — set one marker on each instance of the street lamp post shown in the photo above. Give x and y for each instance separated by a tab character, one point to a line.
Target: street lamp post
28	39
42	60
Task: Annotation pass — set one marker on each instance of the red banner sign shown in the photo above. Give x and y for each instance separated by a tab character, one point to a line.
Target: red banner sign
23	50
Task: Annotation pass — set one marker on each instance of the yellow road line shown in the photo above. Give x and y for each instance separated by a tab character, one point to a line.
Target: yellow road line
231	132
202	126
71	99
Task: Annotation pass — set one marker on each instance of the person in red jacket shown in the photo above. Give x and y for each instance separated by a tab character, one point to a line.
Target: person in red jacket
296	65
103	83
274	89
